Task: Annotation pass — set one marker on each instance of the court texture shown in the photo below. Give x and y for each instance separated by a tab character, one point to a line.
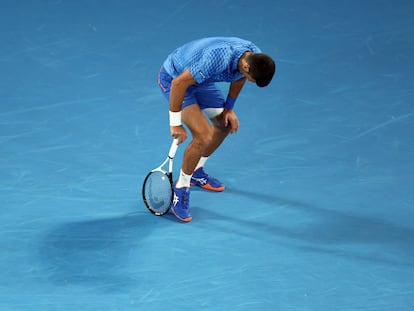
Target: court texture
319	206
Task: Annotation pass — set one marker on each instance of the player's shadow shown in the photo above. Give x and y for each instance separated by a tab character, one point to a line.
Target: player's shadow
94	252
328	231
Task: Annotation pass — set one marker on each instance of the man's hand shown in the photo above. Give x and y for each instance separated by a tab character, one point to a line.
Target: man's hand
179	132
230	120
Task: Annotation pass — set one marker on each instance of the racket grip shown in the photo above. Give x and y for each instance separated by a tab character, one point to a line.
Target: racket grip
173	148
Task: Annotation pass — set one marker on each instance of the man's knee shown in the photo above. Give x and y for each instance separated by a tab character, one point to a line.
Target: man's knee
204	139
218	123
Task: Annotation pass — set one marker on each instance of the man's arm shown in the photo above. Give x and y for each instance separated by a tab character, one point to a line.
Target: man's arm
236	87
179	86
229	118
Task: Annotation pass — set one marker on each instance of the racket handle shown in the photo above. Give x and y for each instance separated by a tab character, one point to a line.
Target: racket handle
173	148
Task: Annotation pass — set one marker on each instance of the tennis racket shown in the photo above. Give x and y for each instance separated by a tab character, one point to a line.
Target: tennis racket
157	189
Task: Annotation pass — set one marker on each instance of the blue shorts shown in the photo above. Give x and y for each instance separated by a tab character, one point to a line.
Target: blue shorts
206	95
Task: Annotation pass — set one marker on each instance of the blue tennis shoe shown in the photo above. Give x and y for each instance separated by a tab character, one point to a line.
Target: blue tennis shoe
181	204
201	179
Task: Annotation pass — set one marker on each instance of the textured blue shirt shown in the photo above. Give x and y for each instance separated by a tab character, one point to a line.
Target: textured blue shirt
209	59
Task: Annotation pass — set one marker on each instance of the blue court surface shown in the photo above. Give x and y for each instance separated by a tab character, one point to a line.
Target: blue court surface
319	207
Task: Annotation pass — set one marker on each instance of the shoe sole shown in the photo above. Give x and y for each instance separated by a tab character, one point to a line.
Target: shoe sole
209	187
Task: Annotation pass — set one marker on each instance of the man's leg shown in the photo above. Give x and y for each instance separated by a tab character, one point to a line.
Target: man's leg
202	133
219	133
202	137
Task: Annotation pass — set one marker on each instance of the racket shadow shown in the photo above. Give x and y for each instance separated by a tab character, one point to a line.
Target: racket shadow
325	231
93	252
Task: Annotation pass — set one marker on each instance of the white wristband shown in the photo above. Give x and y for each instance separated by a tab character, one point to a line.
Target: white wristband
175	118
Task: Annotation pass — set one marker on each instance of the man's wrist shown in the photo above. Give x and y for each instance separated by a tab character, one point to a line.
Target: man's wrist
229	104
175	118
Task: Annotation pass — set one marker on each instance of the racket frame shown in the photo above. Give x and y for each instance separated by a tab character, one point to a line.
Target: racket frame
169	160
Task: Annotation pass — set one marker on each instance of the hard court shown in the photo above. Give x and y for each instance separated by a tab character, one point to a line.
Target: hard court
319	207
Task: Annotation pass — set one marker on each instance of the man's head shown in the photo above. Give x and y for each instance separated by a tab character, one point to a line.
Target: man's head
259	68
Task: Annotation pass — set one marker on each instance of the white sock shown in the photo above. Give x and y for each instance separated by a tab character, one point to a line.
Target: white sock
201	163
183	180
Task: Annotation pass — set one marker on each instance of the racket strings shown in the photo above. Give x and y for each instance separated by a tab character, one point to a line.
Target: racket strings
157	192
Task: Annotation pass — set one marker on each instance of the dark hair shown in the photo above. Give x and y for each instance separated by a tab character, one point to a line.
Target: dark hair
262	68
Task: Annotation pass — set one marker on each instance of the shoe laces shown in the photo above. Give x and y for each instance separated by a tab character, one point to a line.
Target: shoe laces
185	201
201	172
184	198
209	179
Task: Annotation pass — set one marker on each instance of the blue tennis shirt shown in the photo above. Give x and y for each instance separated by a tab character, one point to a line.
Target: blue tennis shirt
209	59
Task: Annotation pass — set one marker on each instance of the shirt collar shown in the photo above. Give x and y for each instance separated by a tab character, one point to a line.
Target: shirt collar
236	58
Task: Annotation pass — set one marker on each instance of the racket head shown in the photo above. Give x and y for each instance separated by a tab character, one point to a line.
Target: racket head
157	192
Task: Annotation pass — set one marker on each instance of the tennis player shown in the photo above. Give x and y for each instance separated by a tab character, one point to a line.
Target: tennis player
188	80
